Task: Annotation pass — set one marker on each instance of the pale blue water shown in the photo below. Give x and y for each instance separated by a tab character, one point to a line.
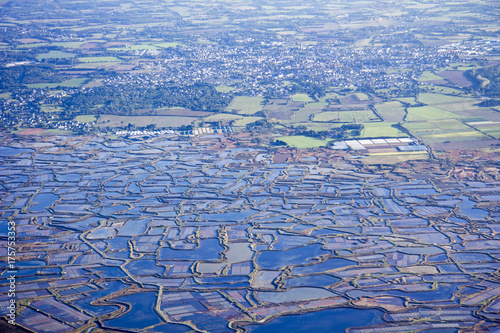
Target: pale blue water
296	256
42	201
331	321
12	151
141	315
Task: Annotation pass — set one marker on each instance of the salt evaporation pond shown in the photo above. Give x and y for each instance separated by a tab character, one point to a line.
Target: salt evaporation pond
294	295
444	291
110	272
97	310
31	263
169	328
295	256
42	201
144	267
69	177
324	266
332	320
12	151
467	209
209	249
321	280
141	315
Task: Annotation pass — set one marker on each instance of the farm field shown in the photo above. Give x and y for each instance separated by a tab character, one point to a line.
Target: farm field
73	83
391	111
429	76
381	129
300	141
440	99
55	55
242	122
394	158
302	98
50	108
428	113
487	127
246	105
445	131
98	59
224	88
307	112
86	118
346	117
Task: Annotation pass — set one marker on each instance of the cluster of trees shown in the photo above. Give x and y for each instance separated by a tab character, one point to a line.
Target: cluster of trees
338	133
314	90
490	103
261	123
486	79
20	75
127	99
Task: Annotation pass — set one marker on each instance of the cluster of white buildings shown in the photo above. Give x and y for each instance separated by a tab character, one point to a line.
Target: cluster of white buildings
370	143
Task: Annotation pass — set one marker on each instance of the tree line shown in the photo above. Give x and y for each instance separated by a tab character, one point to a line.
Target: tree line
125	99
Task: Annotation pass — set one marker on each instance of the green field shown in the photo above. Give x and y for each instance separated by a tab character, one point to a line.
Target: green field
51	108
98	59
246	120
222	116
300	141
381	129
489	128
73	83
396	157
409	100
95	65
435	89
51	132
69	45
246	105
421	127
443	130
307	111
493	133
391	111
86	118
461	66
363	116
434	99
134	47
224	89
330	95
362	97
318	127
429	76
428	113
302	98
55	55
451	125
31	45
471	134
167	44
